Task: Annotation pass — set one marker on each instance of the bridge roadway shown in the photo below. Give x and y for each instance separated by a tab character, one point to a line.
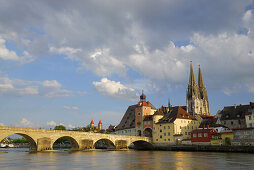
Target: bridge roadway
43	139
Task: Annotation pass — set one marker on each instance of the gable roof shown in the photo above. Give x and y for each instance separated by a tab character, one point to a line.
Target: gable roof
234	112
176	112
128	120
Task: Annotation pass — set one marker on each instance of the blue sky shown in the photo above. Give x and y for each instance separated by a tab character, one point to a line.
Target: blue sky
71	62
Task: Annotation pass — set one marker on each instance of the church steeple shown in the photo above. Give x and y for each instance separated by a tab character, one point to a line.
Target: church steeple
200	78
192	80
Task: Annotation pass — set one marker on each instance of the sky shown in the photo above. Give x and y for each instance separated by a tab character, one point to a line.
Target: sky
70	62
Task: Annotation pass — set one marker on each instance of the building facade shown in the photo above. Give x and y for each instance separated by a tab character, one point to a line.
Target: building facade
249	115
234	117
174	126
196	95
138	119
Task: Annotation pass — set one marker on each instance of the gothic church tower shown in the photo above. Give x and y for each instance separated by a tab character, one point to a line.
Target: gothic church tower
196	97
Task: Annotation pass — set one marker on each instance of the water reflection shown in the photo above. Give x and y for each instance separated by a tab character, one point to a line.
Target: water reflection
22	159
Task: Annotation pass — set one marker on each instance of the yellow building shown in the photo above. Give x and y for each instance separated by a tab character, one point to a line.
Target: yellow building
223	138
174	126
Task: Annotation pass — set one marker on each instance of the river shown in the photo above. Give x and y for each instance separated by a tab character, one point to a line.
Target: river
20	158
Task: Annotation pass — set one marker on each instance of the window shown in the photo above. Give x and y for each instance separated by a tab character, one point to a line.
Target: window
192	127
189	133
249	117
164	139
168	127
160	136
145	123
160	124
205	134
168	139
160	130
139	113
180	127
164	134
149	123
188	127
164	127
250	124
185	133
156	139
168	133
224	122
238	116
232	122
194	135
199	134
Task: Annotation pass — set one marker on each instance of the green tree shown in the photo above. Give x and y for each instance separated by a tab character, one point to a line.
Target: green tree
60	127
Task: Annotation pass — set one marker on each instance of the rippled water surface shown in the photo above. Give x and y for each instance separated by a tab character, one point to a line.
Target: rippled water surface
22	159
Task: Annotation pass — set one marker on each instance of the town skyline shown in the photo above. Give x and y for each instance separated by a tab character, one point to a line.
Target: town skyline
72	63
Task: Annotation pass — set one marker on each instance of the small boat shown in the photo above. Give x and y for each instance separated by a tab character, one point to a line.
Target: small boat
3	145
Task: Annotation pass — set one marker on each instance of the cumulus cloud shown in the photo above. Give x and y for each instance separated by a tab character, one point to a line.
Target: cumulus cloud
7	54
115	90
113	38
71	126
71	107
27	123
51	123
18	87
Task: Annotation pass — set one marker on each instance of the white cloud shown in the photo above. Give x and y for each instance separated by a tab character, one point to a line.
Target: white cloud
51	123
71	107
7	54
115	90
71	126
20	87
26	123
64	50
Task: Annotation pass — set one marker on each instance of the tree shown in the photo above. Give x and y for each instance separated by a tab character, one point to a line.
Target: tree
60	127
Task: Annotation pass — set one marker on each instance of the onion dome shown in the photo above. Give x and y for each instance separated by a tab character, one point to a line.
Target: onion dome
143	96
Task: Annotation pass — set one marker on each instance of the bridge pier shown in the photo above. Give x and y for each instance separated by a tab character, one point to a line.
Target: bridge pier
86	144
44	144
121	144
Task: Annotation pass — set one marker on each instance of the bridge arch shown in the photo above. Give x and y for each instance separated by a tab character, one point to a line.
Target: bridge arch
73	142
142	145
104	143
31	140
148	132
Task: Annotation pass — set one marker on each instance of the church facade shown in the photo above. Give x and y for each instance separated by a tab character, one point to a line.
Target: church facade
196	96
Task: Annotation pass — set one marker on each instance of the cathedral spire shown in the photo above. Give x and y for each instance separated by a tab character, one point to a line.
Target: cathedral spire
200	78
192	80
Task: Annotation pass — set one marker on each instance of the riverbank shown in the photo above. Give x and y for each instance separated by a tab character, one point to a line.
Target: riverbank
206	148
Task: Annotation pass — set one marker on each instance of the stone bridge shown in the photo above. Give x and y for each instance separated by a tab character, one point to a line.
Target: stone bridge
43	139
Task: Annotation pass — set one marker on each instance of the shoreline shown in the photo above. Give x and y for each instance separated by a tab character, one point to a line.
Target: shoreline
206	148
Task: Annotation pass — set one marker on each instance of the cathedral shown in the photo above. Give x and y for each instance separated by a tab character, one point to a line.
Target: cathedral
196	96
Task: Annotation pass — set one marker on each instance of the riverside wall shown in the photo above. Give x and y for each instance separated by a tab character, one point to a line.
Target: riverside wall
204	148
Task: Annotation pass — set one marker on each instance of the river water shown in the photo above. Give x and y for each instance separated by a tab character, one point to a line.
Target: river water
98	159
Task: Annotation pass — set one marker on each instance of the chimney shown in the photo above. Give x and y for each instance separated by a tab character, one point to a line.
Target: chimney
235	106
